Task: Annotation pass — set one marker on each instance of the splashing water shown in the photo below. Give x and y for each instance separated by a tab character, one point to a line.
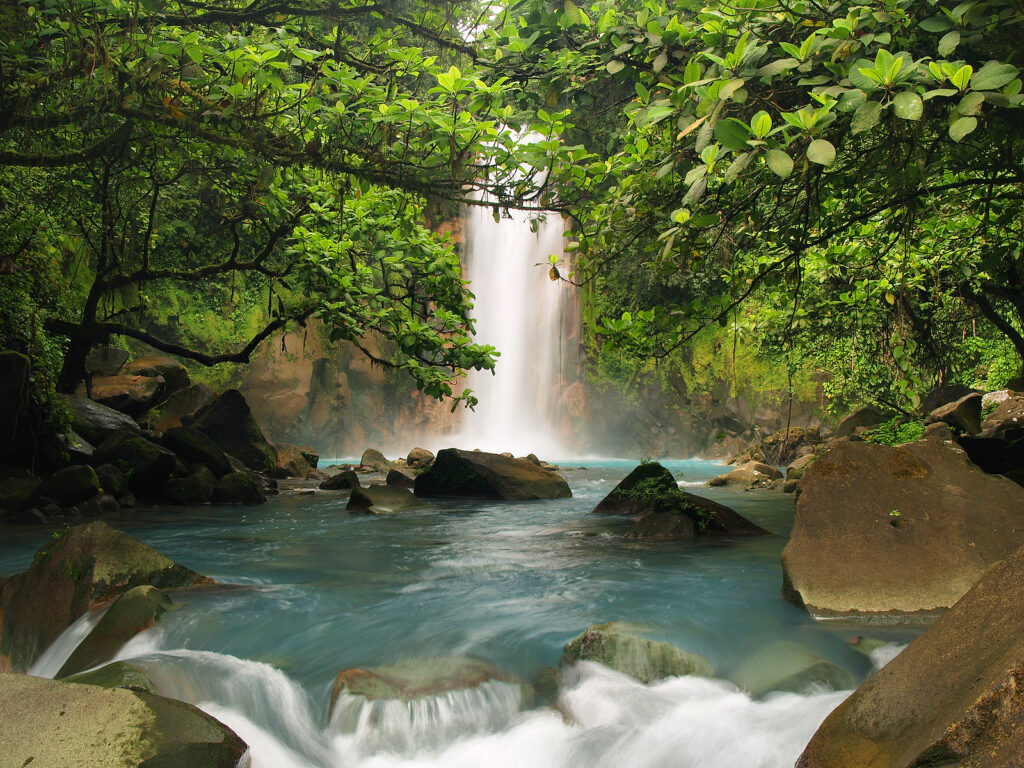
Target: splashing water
54	657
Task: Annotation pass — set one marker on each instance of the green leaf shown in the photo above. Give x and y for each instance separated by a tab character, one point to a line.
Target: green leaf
971	103
908	106
614	66
936	24
777	67
737	166
660	62
730	88
993	75
780	163
962	127
948	43
821	152
962	76
761	124
195	53
732	134
866	117
851	100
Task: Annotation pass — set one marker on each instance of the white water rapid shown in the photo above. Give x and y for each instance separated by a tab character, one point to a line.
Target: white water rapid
520	311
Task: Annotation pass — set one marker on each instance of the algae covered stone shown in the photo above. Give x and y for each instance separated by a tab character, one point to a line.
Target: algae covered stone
618	646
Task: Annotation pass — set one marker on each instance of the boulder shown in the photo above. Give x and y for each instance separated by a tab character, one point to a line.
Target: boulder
179	408
147	464
344	480
797	467
72	484
135	610
637	491
15	405
311	455
753	474
198	487
79	568
375	460
102	505
291	461
788	666
382	500
951	698
239	488
229	423
105	361
990	400
129	394
401	478
475	474
781	447
172	371
897	532
96	422
18	492
419	458
617	646
112	479
55	723
193	447
964	414
863	417
944	394
117	674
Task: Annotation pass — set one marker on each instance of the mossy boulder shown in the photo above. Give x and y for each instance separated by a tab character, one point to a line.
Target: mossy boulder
112	479
56	723
375	460
291	461
476	474
79	568
344	480
618	646
229	422
135	610
15	406
382	500
193	447
179	408
639	491
117	674
147	464
17	492
71	485
788	666
419	458
198	487
238	488
96	422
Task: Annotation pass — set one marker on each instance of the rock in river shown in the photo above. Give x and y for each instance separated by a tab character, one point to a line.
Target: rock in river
382	500
618	646
475	474
229	423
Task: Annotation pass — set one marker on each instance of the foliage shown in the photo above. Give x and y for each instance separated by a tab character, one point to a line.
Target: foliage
896	431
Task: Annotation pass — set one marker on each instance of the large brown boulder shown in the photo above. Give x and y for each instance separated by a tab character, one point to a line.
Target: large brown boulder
172	371
951	698
752	474
229	423
636	492
862	417
55	723
419	458
475	474
964	413
291	461
375	460
342	481
897	532
127	393
179	408
105	361
80	568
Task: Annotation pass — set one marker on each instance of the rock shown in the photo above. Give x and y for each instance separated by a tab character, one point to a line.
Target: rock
193	447
229	422
117	674
173	372
71	485
96	422
884	532
781	447
753	474
55	723
618	647
135	610
400	478
382	500
990	400
129	394
147	465
112	479
102	505
964	414
951	698
198	487
80	567
943	395
418	678
787	666
375	460
15	406
419	458
180	407
311	455
797	468
291	461
636	492
18	492
1008	413
474	474
863	417
105	361
238	488
344	480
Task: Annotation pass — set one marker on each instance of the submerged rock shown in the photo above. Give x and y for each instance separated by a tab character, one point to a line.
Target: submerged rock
54	723
135	610
117	674
96	422
229	423
787	666
382	500
475	474
617	646
951	698
344	480
81	567
903	532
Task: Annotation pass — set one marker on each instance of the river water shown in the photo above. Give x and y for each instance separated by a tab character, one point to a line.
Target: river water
321	590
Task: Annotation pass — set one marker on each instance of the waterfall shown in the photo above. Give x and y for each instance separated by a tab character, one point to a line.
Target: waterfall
54	657
522	313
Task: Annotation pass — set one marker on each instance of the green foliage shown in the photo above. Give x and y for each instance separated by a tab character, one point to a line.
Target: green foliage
896	431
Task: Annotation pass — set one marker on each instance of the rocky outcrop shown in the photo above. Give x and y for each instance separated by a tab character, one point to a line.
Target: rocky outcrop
193	447
862	417
135	610
419	458
147	464
96	422
475	474
963	414
753	474
374	460
291	461
382	500
198	487
951	698
81	567
239	488
172	371
885	532
402	478
342	481
130	394
618	646
180	407
229	423
53	723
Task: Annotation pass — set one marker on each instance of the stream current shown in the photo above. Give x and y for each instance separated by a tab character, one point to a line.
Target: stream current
320	590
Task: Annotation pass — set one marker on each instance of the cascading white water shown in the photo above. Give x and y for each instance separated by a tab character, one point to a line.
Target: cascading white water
518	310
54	657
